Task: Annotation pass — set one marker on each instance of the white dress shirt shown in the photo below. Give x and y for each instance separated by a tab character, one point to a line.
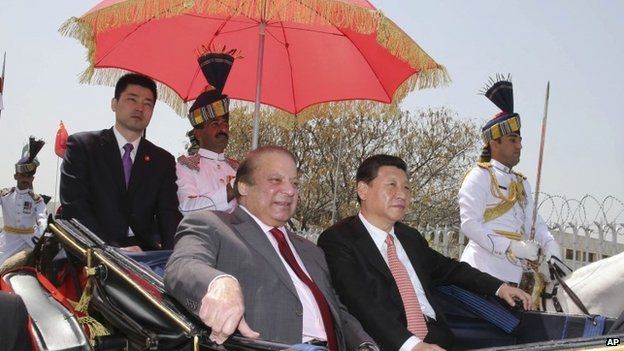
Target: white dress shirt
205	188
379	237
486	249
121	141
313	327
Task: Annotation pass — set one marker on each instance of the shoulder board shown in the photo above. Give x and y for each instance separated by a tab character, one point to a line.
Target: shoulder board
519	175
35	196
232	162
191	161
483	165
6	191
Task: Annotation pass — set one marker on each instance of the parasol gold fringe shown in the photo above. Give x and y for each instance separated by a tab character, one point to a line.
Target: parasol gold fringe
317	12
323	12
399	44
421	80
429	78
110	76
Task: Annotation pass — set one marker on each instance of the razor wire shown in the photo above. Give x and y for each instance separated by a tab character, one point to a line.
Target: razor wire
583	227
557	209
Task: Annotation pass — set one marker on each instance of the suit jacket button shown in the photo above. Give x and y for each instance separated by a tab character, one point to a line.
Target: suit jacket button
299	313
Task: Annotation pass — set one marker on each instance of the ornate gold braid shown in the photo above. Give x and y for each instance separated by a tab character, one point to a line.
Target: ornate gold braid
516	193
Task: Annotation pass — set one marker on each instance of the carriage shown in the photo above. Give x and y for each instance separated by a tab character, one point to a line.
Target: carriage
86	295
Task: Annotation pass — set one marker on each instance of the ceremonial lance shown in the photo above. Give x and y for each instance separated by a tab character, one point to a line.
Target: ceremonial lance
539	163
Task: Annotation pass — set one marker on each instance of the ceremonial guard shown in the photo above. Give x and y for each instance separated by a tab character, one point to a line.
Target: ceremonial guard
205	176
495	201
23	211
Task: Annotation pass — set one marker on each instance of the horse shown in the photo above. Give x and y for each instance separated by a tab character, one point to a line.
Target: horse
599	286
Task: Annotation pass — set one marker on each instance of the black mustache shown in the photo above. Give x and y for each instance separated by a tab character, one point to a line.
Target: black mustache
224	134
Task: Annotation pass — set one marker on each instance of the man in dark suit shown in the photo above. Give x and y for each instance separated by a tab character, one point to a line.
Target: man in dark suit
384	270
246	271
117	183
14	333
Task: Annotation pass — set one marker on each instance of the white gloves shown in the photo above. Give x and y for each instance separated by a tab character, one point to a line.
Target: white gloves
552	249
524	249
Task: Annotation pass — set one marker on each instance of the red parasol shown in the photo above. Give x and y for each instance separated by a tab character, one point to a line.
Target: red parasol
295	53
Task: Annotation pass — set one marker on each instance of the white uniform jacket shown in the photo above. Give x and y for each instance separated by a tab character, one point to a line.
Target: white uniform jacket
25	215
204	186
486	249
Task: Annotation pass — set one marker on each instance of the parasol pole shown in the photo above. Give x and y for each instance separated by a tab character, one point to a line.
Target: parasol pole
335	199
539	162
256	121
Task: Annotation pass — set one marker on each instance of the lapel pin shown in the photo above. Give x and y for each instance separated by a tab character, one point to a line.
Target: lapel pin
146	158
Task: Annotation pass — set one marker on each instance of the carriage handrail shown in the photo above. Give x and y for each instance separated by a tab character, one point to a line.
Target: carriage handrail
62	230
69	232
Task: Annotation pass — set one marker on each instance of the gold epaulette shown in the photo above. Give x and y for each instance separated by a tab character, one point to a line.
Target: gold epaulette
484	165
190	161
6	191
36	197
519	175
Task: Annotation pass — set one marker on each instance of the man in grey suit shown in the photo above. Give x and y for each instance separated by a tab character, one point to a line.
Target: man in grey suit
239	270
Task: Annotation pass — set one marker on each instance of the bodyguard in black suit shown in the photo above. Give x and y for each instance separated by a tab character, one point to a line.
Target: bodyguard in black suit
117	183
359	258
14	333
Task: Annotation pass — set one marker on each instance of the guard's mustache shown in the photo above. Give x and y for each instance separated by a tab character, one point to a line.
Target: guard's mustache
224	134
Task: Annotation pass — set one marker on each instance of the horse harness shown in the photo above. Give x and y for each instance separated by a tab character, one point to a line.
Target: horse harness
557	273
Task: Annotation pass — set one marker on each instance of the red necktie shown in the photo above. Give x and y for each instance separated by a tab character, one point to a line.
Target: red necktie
415	320
288	255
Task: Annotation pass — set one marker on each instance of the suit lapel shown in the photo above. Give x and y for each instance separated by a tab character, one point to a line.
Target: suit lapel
314	270
112	158
368	248
253	235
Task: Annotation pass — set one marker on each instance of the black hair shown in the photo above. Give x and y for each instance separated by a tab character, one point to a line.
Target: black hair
136	79
245	170
368	170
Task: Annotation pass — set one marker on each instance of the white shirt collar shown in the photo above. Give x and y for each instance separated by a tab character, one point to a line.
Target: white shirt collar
211	155
22	191
379	236
265	227
121	141
501	167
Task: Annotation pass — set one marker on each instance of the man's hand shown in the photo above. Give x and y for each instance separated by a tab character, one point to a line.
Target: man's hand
524	249
511	294
423	346
222	309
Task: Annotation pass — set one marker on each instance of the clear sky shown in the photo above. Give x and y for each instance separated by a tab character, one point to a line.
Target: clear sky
572	43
